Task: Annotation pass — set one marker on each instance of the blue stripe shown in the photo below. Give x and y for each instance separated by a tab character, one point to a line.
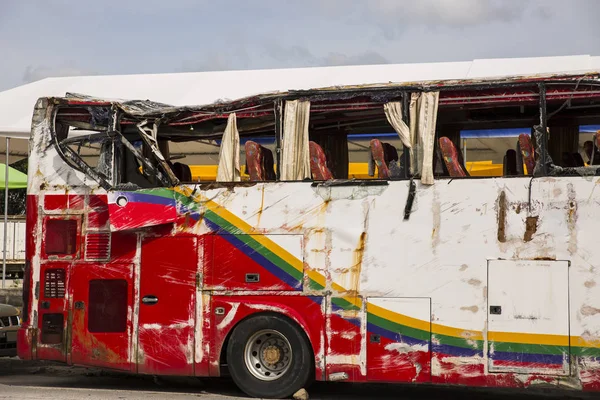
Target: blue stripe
527	358
259	259
148	198
456	351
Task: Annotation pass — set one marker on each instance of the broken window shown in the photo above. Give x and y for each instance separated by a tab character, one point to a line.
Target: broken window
481	129
353	139
487	132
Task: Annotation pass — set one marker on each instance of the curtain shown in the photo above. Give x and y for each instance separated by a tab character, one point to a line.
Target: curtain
229	154
423	118
295	162
393	113
428	110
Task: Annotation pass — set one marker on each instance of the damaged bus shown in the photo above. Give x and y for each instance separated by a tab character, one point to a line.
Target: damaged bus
286	268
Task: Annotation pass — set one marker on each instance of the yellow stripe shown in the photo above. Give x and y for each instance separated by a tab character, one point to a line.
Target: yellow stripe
507	337
456	332
578	341
398	318
528	338
317	277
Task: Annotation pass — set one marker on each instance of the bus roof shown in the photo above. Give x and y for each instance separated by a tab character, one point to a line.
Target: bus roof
179	89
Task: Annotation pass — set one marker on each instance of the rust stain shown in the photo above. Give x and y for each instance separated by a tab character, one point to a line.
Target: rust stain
473	309
99	350
530	228
589	310
590	284
463	267
474	282
518	208
502	217
262	204
545	258
358	256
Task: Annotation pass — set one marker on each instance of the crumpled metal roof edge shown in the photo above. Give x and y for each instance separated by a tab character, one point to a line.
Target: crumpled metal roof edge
148	108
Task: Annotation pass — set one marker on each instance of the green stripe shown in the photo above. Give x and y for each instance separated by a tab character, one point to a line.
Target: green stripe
160	192
529	348
458	341
344	304
314	285
585	351
397	328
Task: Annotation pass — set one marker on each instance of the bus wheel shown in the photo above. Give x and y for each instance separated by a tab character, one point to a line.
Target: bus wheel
269	356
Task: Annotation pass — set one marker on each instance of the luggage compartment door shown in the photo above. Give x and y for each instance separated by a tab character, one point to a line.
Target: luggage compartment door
528	317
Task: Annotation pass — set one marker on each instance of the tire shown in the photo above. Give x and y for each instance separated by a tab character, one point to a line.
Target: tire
285	363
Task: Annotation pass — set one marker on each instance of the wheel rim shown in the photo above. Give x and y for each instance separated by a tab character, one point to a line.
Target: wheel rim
268	355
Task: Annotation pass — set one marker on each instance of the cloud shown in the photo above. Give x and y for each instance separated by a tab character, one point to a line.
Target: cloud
33	74
366	58
297	55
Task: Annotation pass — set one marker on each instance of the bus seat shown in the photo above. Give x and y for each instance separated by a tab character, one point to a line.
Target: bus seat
452	158
510	163
254	161
318	163
380	156
527	152
259	162
182	172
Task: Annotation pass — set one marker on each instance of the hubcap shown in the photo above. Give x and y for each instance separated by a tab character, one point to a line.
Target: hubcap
268	355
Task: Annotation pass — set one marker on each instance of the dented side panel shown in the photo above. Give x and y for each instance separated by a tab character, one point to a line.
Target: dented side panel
356	245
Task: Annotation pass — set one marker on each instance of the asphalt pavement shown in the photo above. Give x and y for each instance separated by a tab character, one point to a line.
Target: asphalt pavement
45	380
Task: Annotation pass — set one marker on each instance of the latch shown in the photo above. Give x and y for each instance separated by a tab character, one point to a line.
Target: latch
79	305
495	310
375	338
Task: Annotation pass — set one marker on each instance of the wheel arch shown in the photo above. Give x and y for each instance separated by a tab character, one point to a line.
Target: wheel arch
300	325
288	312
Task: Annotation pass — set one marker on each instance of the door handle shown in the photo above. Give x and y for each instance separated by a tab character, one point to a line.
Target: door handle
150	300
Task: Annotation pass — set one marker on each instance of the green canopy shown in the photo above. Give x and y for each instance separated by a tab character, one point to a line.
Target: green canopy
16	179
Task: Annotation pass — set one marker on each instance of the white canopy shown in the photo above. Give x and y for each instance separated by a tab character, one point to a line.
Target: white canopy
197	88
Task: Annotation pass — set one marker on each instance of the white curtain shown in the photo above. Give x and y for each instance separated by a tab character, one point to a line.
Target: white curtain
428	111
423	119
393	113
295	160
229	154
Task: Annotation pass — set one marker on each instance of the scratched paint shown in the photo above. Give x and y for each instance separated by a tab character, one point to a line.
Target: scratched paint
351	245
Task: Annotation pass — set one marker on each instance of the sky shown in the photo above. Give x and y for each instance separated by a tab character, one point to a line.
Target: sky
45	38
